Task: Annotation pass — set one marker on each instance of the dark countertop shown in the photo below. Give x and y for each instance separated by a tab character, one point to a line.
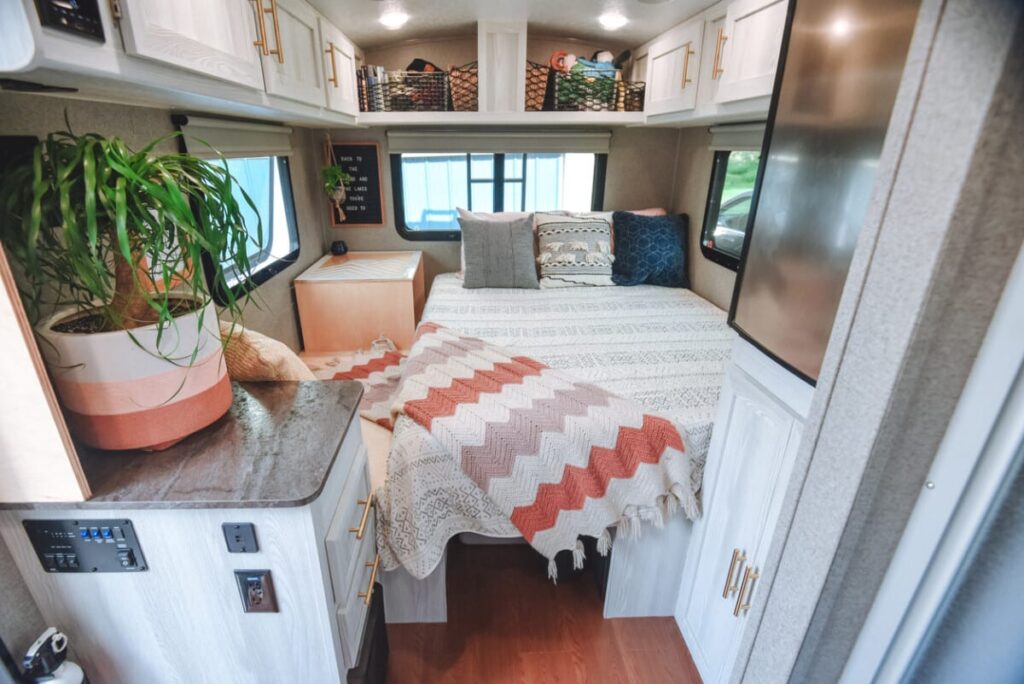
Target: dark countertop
274	448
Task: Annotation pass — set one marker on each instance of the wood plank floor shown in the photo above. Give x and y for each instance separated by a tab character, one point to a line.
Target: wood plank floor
508	623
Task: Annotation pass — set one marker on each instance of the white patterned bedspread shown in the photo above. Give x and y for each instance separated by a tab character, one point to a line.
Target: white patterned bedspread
664	348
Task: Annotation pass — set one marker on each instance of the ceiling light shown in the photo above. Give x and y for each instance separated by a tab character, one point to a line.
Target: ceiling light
612	21
840	27
394	19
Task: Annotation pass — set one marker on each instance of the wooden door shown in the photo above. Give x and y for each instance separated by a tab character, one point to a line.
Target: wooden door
753	32
211	38
753	440
291	52
339	57
673	72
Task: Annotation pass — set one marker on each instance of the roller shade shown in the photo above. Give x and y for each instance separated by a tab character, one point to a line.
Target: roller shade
746	136
234	138
596	142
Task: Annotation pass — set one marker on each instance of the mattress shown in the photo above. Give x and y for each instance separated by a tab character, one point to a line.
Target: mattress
664	348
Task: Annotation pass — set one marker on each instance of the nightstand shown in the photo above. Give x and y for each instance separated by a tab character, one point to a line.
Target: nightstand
346	302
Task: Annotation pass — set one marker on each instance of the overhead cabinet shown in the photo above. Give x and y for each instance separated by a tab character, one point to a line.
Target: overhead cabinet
752	35
674	62
711	66
210	38
290	47
339	58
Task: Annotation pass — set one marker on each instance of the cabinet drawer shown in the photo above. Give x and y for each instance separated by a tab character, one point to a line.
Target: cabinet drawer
344	549
353	608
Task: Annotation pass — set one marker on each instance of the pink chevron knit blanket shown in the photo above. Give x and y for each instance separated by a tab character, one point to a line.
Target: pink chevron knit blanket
561	458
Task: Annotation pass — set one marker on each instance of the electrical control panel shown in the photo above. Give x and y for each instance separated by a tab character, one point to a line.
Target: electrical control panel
80	17
86	545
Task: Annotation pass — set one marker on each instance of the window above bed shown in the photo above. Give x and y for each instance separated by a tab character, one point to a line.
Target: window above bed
429	187
435	173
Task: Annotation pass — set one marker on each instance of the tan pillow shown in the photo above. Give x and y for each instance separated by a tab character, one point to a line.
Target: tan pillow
252	356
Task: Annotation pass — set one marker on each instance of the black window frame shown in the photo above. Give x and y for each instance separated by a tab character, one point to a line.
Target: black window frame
267	271
498	179
719	167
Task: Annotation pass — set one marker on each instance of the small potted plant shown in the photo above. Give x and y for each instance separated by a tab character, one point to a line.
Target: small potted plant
109	245
336	181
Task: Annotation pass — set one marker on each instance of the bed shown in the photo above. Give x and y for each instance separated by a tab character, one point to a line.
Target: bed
665	349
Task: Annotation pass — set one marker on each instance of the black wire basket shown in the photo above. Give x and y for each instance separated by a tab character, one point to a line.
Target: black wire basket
405	91
583	90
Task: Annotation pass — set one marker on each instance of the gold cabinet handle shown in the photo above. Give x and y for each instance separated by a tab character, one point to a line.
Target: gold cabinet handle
334	66
261	20
716	68
686	65
367	504
731	585
367	595
749	577
261	26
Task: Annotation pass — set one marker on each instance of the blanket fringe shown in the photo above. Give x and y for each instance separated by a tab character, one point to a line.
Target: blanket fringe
604	542
578	555
553	570
633	517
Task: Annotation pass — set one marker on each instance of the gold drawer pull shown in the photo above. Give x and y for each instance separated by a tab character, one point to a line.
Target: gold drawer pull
367	595
367	504
735	564
749	577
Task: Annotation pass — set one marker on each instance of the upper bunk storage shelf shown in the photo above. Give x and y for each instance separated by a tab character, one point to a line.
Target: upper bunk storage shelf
501	118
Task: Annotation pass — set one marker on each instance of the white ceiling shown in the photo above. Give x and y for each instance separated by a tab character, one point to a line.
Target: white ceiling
563	18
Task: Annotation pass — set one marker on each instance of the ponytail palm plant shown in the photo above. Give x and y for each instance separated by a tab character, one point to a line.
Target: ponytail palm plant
120	234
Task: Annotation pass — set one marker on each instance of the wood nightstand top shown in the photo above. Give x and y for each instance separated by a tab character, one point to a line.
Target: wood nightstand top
363	266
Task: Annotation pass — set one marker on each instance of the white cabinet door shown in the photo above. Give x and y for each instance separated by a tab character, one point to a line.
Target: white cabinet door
339	57
711	57
210	38
292	56
673	63
746	469
753	40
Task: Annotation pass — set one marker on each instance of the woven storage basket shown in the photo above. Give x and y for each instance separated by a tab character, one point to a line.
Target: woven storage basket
536	85
409	91
465	85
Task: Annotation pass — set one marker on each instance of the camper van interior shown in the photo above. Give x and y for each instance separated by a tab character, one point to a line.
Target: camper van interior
648	341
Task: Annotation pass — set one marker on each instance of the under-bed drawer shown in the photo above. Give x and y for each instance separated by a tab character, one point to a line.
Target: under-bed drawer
352	533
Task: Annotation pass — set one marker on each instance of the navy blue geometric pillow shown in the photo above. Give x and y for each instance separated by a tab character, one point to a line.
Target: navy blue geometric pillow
650	249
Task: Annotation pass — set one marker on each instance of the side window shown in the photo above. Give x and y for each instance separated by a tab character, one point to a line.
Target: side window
733	176
267	181
430	187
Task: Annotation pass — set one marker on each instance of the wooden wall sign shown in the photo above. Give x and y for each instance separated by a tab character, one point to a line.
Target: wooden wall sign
364	205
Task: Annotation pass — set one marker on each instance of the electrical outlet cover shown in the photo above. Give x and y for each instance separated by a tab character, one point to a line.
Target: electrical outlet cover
257	591
240	537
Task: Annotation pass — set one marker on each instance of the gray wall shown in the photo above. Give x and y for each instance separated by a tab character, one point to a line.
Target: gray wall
271	310
693	176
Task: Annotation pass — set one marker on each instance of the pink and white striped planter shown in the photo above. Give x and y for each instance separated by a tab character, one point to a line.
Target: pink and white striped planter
120	392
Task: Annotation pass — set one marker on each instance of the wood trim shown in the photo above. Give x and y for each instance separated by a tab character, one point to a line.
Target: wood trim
31	490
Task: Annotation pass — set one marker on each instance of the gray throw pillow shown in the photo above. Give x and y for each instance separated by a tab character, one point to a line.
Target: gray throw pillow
499	253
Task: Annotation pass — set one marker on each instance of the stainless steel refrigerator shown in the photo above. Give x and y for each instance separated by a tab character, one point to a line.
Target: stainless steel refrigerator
841	64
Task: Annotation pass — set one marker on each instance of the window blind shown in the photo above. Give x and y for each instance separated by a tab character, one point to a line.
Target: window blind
205	138
596	142
746	136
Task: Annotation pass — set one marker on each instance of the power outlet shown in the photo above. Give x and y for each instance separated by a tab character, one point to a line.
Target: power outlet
257	590
240	537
